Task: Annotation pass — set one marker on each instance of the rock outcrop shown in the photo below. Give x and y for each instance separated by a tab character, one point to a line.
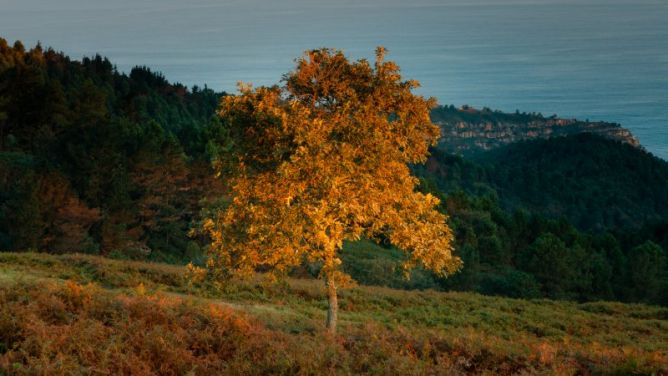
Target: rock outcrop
467	130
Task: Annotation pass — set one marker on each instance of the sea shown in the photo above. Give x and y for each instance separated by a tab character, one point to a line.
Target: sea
587	59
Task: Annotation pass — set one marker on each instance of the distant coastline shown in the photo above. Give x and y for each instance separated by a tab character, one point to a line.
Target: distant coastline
467	130
600	60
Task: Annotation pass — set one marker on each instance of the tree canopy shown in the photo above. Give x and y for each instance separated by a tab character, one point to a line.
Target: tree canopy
322	160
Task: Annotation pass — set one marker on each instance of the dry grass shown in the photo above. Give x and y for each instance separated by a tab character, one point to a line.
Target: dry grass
77	314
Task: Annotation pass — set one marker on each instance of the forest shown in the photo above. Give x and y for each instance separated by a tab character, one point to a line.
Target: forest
101	162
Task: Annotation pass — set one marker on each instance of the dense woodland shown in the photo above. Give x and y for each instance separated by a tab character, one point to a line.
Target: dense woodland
97	161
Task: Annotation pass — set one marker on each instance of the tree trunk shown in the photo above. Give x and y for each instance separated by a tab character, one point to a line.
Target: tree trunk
333	308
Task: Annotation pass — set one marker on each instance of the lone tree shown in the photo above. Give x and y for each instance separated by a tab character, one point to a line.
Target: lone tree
321	160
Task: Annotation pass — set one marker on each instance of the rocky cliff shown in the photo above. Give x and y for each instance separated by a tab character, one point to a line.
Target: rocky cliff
466	130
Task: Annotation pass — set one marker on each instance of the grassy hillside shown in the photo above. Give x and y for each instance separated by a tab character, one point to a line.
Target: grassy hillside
75	314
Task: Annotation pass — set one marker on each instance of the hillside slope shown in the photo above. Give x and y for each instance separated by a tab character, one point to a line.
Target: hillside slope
94	160
595	183
84	314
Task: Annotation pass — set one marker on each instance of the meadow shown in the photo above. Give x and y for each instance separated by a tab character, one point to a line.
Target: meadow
79	314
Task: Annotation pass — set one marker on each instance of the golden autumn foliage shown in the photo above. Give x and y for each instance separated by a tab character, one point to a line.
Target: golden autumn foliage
322	160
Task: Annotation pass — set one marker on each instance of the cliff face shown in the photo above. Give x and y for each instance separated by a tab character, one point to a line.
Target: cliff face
467	130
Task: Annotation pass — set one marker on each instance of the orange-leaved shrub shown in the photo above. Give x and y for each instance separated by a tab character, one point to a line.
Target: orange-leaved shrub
71	329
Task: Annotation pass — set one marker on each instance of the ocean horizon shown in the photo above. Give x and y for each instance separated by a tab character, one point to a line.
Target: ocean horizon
600	60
